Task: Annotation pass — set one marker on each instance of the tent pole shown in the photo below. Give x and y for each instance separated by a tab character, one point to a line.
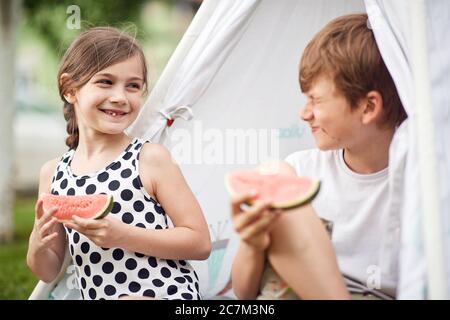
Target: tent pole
428	165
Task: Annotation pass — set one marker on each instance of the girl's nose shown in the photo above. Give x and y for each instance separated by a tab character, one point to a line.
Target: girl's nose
306	113
118	96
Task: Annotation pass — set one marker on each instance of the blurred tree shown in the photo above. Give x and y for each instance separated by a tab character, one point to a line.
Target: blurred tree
47	16
8	27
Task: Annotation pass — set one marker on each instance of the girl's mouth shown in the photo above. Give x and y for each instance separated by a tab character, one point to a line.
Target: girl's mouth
114	113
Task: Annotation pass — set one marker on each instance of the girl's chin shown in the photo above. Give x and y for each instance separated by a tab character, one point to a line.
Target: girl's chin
113	130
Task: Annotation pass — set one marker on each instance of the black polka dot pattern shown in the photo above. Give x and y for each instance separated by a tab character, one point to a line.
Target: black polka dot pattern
109	273
102	177
120	277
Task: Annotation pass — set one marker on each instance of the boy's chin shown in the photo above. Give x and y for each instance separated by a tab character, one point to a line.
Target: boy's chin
325	146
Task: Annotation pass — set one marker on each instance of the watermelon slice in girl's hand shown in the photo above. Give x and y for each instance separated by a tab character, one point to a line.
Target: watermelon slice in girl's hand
89	207
281	190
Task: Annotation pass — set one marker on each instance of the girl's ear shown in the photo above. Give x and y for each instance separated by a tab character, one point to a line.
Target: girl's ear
372	108
69	95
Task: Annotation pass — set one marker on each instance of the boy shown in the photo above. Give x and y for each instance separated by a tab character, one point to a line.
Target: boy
353	109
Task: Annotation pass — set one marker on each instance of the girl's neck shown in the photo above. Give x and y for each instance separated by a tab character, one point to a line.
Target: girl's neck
372	155
91	146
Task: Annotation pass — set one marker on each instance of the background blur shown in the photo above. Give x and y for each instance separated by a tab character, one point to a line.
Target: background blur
41	37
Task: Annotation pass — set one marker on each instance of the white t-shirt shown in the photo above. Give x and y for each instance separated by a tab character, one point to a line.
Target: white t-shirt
357	204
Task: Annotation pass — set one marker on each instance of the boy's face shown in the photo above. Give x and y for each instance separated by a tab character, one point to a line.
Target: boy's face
333	124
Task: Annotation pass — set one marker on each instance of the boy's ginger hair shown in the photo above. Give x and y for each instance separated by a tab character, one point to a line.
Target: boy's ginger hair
345	50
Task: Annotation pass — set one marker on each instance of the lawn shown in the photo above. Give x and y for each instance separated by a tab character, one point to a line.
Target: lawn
16	280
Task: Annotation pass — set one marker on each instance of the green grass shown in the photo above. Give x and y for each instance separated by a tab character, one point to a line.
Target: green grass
16	280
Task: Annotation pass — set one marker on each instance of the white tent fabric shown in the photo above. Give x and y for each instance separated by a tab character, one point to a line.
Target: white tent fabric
209	48
419	159
255	96
235	75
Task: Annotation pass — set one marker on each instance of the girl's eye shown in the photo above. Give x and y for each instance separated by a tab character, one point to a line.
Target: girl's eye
104	81
135	86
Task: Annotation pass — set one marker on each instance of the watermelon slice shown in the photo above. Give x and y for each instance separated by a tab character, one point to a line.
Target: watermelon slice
90	206
283	191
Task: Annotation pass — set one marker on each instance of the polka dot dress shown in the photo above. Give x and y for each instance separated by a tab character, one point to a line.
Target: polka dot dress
109	273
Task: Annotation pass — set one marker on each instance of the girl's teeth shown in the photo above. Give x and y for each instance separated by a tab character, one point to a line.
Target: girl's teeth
111	113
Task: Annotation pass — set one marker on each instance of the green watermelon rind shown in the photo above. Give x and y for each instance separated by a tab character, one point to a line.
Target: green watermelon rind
101	213
300	202
107	208
307	198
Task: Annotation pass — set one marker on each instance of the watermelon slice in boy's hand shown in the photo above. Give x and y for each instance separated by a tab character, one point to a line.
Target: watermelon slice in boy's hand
89	207
281	190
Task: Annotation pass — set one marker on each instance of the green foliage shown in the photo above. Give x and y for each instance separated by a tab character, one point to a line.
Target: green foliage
16	280
49	17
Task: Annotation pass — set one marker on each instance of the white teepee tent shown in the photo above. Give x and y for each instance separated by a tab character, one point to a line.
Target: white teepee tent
234	76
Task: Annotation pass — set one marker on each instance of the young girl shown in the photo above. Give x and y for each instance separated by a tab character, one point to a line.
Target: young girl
131	252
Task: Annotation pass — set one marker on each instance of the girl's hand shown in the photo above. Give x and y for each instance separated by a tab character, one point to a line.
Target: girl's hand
254	223
45	228
106	233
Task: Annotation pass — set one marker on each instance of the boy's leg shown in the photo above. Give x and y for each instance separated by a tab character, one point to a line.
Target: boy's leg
301	251
302	255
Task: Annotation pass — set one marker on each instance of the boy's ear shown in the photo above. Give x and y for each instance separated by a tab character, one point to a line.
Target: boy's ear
69	95
372	108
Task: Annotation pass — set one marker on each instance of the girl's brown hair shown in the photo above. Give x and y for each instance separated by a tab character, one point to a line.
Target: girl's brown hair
345	50
91	52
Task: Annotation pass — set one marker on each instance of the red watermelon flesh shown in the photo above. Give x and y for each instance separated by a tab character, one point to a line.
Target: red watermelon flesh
90	206
281	190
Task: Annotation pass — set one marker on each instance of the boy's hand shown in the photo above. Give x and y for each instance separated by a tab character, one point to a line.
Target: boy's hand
107	232
254	223
44	230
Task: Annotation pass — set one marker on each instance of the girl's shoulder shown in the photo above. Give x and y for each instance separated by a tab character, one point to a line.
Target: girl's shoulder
46	173
155	164
154	154
49	167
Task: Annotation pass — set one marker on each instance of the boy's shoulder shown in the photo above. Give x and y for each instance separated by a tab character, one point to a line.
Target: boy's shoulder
311	155
312	160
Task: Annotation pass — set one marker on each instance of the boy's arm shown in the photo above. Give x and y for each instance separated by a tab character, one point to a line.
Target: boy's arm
250	260
46	263
247	270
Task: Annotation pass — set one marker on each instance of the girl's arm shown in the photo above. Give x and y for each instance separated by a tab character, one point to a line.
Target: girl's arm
162	178
47	240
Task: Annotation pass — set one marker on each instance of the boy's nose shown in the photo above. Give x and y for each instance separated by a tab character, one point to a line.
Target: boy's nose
306	113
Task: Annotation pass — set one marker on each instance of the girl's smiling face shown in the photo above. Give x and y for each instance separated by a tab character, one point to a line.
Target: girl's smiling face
110	101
